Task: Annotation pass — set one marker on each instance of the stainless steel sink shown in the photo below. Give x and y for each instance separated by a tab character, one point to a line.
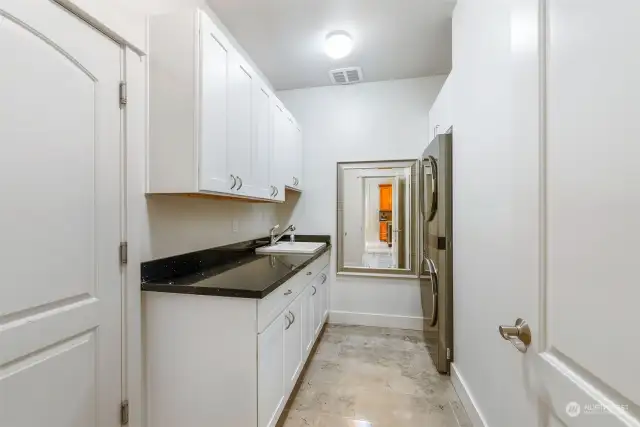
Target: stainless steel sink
292	248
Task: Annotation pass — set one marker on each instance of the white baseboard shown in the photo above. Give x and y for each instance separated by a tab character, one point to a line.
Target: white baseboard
467	399
381	320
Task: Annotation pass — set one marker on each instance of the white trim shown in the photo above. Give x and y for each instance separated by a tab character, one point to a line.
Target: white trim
467	399
135	139
380	320
122	24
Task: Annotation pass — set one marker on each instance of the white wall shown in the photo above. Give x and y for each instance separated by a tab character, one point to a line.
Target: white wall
368	121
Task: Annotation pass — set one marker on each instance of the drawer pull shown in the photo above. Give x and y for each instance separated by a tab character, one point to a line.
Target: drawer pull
314	290
288	292
309	273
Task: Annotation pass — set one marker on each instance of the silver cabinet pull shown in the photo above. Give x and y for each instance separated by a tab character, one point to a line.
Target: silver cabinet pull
519	335
240	179
324	278
288	321
234	181
273	191
314	290
433	275
309	273
288	292
277	191
293	318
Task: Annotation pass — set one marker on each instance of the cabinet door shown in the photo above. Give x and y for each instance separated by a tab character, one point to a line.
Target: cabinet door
280	161
297	159
241	84
271	386
292	344
215	54
308	326
318	306
261	146
326	287
290	143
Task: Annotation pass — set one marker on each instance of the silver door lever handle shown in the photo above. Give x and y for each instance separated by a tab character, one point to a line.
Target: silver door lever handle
519	335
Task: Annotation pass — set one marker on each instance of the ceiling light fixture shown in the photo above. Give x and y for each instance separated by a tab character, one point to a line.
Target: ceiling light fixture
338	44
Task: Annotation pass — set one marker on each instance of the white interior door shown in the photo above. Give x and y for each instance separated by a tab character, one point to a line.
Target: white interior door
588	367
569	264
60	296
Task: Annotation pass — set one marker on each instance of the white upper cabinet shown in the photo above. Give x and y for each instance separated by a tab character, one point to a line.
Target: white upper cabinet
288	148
441	113
215	53
214	128
241	86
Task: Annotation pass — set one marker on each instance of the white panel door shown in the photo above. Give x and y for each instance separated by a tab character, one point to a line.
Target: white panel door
239	123
588	365
271	377
292	344
261	146
215	54
60	169
569	184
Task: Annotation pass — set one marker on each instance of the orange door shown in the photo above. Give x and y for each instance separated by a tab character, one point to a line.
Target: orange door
385	197
383	231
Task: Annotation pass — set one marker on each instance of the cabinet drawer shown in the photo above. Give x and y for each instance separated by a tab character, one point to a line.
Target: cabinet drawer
273	304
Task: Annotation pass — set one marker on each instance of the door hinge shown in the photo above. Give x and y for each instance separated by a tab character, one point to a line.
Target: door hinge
124	252
124	413
123	94
449	356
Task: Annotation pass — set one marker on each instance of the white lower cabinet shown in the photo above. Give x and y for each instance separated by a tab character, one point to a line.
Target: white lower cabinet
293	344
271	373
308	326
231	362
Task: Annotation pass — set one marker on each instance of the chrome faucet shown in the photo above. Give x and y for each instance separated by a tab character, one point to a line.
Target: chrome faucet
275	239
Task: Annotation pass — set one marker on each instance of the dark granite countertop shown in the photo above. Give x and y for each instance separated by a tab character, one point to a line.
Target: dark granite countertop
232	271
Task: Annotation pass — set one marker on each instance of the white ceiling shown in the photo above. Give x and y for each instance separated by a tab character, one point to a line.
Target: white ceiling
394	39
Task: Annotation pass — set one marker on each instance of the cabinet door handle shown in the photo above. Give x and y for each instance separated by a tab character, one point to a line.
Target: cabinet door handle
234	181
314	290
289	292
324	278
277	191
309	273
240	179
293	317
288	321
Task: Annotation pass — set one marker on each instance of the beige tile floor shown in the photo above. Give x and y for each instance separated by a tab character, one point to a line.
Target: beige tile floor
373	377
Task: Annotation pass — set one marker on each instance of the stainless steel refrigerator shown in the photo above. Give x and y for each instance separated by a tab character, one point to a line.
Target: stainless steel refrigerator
436	277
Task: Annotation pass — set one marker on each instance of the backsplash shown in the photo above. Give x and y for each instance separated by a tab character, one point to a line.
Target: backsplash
178	225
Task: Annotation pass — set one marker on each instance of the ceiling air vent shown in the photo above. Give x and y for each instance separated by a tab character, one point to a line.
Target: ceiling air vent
346	76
